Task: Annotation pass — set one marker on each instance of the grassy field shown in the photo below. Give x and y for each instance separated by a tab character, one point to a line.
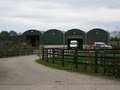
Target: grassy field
114	42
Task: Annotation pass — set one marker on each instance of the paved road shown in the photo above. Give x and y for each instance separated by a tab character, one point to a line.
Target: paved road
22	73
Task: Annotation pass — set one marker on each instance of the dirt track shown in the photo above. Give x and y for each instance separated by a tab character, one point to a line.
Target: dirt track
22	73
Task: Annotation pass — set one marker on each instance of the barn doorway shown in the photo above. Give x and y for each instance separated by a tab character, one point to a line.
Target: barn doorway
79	42
33	40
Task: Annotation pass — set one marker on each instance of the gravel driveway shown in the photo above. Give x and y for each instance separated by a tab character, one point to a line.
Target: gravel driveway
23	73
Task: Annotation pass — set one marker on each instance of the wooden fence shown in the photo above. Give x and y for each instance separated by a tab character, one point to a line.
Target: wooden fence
105	59
19	52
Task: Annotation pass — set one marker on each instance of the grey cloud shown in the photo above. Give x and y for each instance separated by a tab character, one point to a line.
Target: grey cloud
89	3
62	14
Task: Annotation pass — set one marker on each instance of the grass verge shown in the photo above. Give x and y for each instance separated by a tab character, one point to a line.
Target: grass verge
89	70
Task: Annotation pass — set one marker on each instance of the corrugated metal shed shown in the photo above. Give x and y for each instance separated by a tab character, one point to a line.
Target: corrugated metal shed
98	35
57	37
75	33
32	32
32	37
53	37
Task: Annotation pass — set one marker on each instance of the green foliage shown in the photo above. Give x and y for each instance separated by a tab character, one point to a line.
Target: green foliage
13	33
15	50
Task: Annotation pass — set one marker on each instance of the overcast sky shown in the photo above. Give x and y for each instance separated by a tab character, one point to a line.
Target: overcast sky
22	15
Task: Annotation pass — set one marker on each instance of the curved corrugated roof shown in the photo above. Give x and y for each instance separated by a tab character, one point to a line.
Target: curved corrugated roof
33	30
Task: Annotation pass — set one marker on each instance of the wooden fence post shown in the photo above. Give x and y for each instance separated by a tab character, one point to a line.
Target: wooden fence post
50	53
96	60
47	54
104	55
115	62
62	57
53	56
75	59
43	53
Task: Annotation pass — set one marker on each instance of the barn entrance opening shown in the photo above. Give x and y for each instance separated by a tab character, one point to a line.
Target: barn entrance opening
33	40
75	41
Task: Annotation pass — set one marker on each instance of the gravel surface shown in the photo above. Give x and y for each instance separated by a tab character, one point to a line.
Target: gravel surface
23	73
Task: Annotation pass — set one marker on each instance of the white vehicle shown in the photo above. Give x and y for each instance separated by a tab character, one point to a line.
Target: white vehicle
73	44
108	47
102	45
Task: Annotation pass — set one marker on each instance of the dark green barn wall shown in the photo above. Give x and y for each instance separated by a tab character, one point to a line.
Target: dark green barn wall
98	35
75	33
53	37
32	32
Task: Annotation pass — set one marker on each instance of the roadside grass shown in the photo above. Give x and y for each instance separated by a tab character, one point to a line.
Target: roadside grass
84	69
57	65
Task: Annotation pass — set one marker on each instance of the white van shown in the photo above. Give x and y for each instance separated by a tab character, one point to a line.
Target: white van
73	44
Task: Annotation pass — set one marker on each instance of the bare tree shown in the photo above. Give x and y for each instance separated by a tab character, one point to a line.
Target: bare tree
115	35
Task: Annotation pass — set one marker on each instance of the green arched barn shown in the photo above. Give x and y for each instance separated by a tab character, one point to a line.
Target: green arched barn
53	37
75	34
32	37
98	35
